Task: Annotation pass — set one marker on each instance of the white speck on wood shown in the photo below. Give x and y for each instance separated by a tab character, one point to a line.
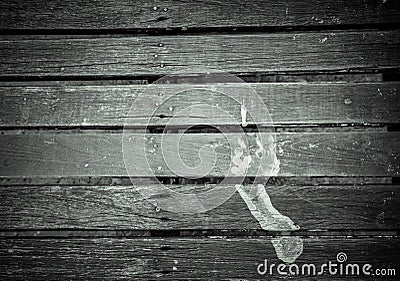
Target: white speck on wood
323	40
243	113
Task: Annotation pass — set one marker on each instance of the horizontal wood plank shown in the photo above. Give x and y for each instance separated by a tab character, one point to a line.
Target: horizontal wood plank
369	207
91	153
287	103
124	181
158	55
164	14
185	258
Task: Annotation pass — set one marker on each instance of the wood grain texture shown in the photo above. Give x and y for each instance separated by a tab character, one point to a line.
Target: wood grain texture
369	207
58	154
158	55
125	181
109	105
164	14
183	258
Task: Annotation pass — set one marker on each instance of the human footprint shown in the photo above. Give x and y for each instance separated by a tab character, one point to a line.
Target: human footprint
262	209
287	248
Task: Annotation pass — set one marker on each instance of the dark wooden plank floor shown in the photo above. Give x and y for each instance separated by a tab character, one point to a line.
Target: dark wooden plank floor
234	53
329	207
183	258
109	105
164	14
66	154
328	72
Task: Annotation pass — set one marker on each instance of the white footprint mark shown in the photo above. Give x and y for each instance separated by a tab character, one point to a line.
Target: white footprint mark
287	248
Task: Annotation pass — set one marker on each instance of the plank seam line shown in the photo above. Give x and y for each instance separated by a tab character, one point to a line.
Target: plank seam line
158	129
177	233
272	181
391	73
188	231
240	30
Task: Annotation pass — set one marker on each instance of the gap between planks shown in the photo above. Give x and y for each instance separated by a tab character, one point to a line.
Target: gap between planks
300	77
126	181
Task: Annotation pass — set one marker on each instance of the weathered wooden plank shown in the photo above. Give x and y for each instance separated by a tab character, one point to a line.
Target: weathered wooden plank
372	207
288	103
125	181
124	14
58	154
186	258
158	55
72	233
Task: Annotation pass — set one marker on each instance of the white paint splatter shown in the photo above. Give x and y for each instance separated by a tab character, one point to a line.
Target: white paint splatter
312	145
323	40
50	141
348	101
241	162
260	148
335	20
243	113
